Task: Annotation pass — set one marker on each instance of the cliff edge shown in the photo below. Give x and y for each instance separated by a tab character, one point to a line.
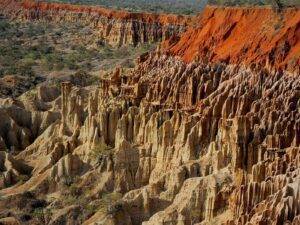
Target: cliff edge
201	142
117	28
243	35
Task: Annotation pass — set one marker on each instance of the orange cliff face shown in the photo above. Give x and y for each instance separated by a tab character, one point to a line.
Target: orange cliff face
115	27
243	35
163	19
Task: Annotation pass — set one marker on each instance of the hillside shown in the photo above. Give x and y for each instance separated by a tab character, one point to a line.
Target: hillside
243	35
126	28
202	130
42	41
185	7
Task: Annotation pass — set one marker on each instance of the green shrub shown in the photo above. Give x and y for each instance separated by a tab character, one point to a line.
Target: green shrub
53	60
100	150
106	52
206	102
110	202
128	63
87	66
23	178
38	213
91	209
46	64
72	65
122	52
11	70
59	66
33	29
4	25
71	61
74	190
68	180
27	62
34	55
45	49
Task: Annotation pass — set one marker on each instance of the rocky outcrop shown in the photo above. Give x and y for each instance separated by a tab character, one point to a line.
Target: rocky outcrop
168	142
243	36
12	170
222	152
116	28
248	122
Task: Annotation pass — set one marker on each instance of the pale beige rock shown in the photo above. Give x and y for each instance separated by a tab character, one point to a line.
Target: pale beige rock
224	151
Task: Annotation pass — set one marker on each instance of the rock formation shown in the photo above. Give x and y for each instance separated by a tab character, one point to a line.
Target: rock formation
116	28
170	142
243	35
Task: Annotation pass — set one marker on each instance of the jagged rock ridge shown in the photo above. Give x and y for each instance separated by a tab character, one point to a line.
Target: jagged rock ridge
225	153
182	143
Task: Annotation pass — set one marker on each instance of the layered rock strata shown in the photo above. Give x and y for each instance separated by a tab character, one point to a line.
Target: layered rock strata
170	142
239	35
116	28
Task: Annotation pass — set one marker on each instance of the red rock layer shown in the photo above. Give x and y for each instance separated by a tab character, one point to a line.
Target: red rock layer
116	28
243	35
163	19
124	15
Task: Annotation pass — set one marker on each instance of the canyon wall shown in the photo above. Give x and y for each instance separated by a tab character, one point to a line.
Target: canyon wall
183	142
117	28
225	151
243	35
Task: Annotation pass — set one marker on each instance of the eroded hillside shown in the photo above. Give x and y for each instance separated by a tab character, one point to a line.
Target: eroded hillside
48	42
117	28
243	35
174	141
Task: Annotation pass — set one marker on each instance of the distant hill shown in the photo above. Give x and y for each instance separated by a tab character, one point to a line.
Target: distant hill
186	7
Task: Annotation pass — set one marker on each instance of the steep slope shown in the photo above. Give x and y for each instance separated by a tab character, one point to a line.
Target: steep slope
223	152
170	142
243	35
115	27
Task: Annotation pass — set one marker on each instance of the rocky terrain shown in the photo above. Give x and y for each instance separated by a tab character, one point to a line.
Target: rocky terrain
177	140
116	28
34	52
41	42
228	34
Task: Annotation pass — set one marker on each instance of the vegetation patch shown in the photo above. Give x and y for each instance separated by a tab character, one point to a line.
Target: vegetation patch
34	51
186	7
100	150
